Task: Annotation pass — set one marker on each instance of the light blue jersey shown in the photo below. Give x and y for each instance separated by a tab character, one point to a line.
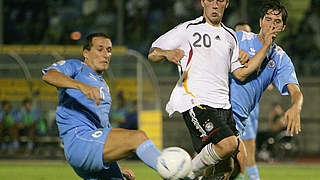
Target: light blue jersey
74	108
83	126
276	67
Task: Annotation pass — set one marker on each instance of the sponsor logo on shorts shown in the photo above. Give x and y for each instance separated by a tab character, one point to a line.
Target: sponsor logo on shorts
97	134
209	126
195	122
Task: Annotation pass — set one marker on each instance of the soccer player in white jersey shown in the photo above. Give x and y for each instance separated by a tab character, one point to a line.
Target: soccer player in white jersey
206	51
276	68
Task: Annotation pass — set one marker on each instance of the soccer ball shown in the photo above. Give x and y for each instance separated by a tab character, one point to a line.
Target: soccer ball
174	163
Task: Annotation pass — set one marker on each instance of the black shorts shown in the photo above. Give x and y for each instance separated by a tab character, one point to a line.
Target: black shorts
209	125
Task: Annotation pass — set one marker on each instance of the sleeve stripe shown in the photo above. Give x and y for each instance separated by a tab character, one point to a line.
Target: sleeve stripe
235	39
200	22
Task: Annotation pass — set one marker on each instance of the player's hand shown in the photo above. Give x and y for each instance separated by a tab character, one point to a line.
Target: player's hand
91	92
271	34
292	119
175	56
243	57
128	173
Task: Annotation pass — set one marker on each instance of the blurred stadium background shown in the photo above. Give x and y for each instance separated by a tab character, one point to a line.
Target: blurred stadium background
35	33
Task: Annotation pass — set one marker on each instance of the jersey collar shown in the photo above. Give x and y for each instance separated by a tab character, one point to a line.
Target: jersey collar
100	77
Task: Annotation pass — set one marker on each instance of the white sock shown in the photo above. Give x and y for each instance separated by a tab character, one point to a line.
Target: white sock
205	158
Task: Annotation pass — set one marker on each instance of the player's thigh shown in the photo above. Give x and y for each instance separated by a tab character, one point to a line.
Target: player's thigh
121	143
209	125
83	148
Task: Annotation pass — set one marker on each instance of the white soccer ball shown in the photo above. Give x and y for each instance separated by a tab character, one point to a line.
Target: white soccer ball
174	163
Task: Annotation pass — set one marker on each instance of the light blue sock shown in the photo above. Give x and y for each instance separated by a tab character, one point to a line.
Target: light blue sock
148	153
252	172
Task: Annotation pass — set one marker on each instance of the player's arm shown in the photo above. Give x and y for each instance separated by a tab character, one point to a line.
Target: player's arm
243	57
167	46
174	55
255	62
292	115
60	80
242	73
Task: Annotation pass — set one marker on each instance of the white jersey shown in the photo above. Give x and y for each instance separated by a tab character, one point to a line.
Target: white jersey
210	54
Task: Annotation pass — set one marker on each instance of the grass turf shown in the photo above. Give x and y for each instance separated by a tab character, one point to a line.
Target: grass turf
53	170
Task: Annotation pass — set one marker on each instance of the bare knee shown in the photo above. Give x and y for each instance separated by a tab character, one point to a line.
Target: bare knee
231	145
121	143
138	137
227	146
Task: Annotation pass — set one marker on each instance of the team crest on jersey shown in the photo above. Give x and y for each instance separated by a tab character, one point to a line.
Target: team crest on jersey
271	63
209	126
97	134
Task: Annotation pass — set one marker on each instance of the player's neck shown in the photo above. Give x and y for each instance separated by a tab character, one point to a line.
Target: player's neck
261	37
100	73
217	24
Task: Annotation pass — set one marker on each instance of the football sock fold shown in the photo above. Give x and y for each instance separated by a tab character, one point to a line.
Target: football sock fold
253	172
148	153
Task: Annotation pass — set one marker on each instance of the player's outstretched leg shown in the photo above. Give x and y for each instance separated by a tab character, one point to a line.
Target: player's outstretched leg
122	143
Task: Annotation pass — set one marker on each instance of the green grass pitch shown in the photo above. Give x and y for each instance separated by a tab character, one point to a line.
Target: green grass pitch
60	170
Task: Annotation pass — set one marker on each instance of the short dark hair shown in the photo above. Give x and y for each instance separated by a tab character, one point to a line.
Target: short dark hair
241	24
274	5
88	42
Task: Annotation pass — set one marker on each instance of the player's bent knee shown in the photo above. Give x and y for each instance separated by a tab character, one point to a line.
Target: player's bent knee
232	145
141	136
138	137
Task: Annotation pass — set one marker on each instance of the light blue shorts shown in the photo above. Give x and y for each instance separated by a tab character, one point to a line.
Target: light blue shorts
83	148
248	128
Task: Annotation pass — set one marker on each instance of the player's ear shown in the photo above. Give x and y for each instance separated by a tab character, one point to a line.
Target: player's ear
202	3
260	22
284	27
85	53
227	4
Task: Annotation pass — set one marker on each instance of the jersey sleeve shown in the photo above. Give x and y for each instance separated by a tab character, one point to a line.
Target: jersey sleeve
285	74
68	67
172	39
235	63
239	35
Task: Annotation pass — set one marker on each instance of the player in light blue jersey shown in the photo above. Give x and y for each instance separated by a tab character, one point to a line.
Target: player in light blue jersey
276	68
91	145
251	129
